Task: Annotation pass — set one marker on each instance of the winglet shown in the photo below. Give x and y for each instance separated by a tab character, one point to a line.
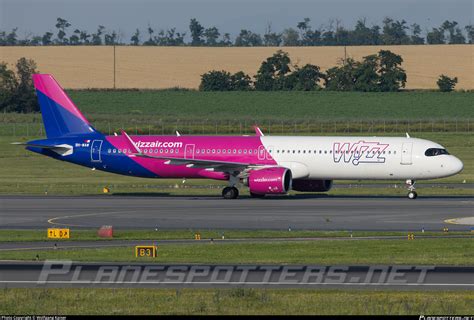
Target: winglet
132	144
258	132
408	136
178	134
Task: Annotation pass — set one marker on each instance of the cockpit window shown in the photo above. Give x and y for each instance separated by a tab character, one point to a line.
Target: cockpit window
435	152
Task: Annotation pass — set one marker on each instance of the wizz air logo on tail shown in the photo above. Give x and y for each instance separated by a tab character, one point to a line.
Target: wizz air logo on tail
359	152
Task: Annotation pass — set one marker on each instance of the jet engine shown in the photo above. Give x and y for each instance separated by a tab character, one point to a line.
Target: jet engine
312	185
274	180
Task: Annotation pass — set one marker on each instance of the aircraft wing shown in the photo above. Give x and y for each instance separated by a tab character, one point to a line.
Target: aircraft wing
219	166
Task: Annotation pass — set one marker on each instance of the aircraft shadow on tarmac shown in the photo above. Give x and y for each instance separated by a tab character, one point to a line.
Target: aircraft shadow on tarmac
284	197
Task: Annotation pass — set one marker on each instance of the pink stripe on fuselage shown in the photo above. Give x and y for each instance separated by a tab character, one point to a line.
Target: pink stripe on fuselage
49	87
248	150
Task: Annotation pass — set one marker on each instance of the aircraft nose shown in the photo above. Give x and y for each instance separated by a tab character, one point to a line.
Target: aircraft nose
456	165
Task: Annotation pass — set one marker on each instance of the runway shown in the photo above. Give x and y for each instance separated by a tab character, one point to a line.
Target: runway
116	275
296	212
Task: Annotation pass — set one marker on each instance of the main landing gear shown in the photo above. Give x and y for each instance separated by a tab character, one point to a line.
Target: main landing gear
411	189
230	193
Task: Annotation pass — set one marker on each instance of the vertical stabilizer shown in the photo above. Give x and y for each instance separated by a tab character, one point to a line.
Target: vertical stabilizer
60	116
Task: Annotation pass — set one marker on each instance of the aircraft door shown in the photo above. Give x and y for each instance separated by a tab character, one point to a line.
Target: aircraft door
407	153
189	151
95	151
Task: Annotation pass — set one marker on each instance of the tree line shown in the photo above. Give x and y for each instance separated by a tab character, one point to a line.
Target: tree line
391	32
17	93
381	72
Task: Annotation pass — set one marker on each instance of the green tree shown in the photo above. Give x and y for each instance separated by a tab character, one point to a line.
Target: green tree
97	37
416	37
46	39
135	39
455	35
470	33
151	39
392	76
362	35
308	37
306	78
25	96
211	35
247	38
272	72
394	32
435	36
74	38
8	85
197	31
446	84
216	81
84	37
16	90
241	81
365	74
342	78
290	38
225	42
62	25
110	39
270	38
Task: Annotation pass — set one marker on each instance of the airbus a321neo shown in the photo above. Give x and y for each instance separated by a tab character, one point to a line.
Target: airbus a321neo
266	164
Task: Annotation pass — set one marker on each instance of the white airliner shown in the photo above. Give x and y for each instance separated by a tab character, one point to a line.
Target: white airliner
267	165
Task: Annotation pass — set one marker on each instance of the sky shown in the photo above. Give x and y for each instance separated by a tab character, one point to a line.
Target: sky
38	16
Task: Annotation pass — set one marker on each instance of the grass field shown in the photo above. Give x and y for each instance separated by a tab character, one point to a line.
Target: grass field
232	301
166	67
435	251
186	105
152	106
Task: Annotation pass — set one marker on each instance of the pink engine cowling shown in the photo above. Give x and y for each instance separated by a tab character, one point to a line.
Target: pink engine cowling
275	180
311	185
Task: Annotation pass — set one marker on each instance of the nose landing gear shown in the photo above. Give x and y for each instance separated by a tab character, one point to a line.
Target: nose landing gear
411	189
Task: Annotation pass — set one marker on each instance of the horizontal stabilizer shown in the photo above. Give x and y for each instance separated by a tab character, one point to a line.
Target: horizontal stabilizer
61	149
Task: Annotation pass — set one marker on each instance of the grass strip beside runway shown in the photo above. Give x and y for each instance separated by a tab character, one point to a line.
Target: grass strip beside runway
232	301
450	251
17	235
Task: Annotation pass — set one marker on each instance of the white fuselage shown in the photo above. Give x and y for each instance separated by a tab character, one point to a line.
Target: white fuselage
349	158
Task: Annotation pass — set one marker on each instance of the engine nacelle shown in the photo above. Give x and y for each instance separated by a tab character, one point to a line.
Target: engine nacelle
312	185
275	180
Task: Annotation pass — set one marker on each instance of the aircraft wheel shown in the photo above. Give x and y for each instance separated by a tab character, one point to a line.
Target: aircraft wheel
230	193
412	195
